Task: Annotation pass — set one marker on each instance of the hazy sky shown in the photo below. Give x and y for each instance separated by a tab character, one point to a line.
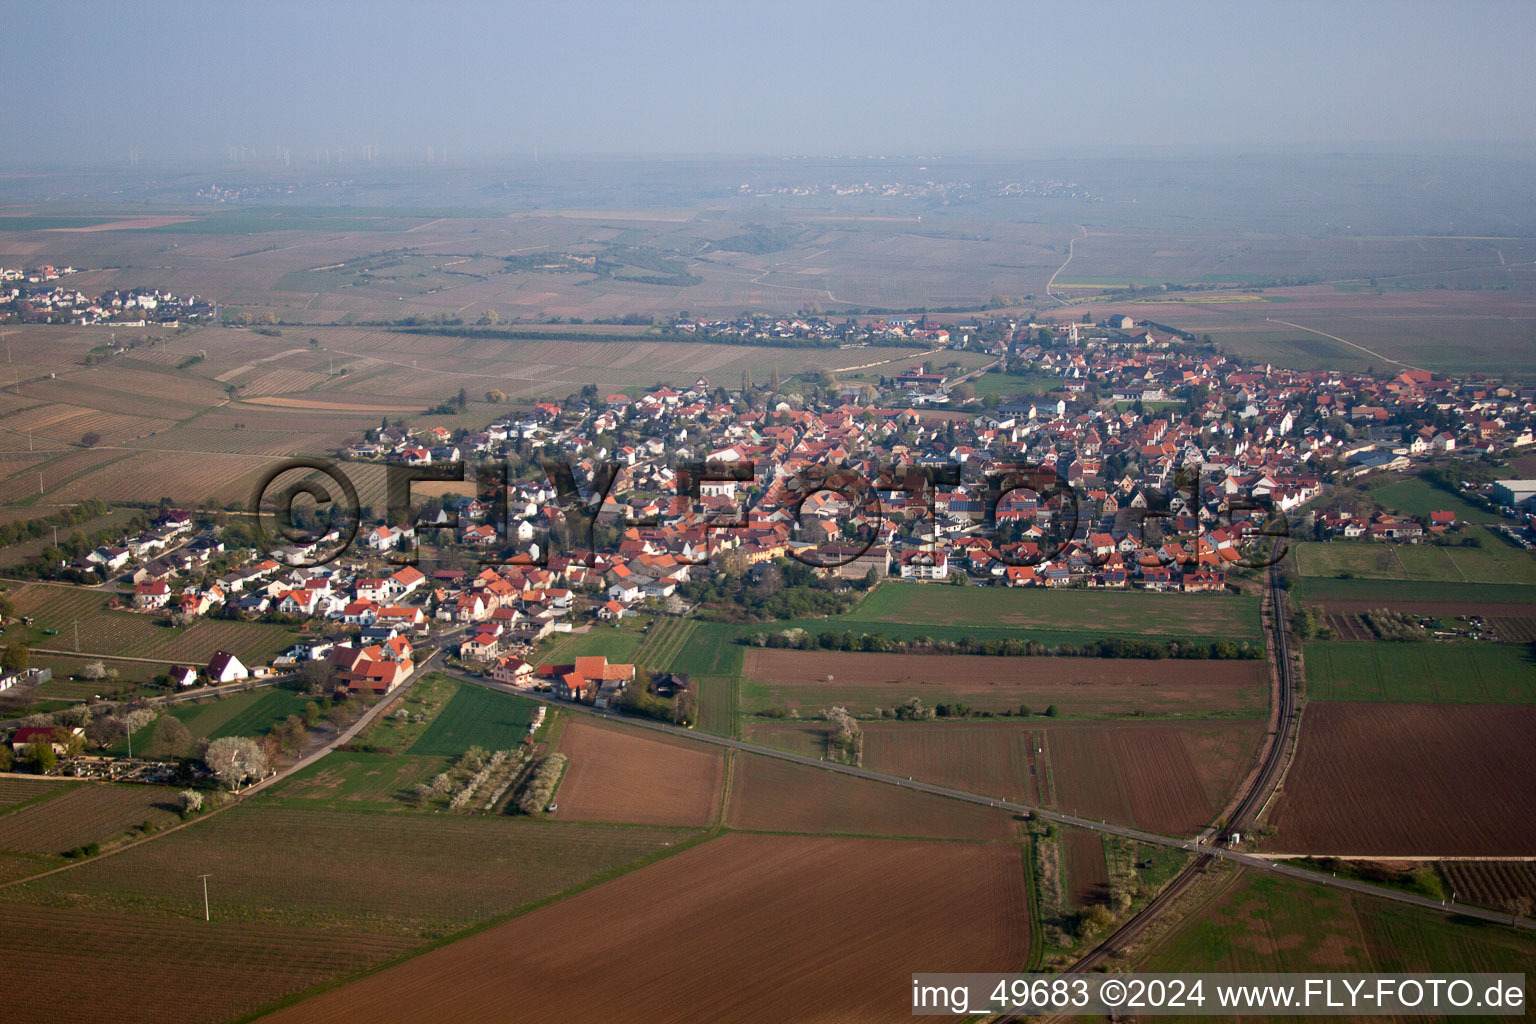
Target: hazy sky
88	81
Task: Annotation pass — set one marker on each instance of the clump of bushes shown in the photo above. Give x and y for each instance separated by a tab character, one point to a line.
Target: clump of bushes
540	788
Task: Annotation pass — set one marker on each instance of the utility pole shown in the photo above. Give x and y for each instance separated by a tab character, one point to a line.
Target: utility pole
206	915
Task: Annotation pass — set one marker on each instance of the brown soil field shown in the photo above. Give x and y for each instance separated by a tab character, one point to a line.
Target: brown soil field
96	966
619	774
1173	779
1489	883
784	928
1087	871
1410	780
1164	777
775	796
88	813
1078	686
1429	606
1349	627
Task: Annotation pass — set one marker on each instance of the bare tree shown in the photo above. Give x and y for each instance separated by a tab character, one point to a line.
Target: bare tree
319	677
234	759
94	670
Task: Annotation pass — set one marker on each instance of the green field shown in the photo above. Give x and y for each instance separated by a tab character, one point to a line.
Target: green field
717	703
477	717
616	643
1416	497
1454	673
347	781
1264	923
1495	562
1024	611
247	713
1319	590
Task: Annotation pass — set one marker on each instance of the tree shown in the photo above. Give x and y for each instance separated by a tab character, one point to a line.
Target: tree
1517	907
91	439
685	708
191	801
171	739
495	396
93	670
319	677
39	754
234	759
15	657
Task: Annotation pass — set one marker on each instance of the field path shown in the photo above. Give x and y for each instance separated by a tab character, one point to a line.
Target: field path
1334	337
1071	247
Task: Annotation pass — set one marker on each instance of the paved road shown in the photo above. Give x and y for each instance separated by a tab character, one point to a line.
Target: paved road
1194	846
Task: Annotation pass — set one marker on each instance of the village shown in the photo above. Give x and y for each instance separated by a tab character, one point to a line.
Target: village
1172	457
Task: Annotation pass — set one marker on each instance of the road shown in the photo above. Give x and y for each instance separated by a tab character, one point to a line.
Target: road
1194	845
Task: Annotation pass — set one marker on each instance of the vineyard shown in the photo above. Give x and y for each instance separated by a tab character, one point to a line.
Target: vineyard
136	968
1491	883
136	635
403	874
89	813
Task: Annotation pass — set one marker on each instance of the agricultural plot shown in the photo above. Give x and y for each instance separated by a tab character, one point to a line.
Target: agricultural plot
1420	780
477	717
90	813
347	781
616	643
136	635
18	792
1172	778
1263	923
717	704
404	874
809	681
617	774
762	911
1416	497
1495	562
1357	595
247	713
1099	613
770	795
1491	883
1087	874
95	967
1463	672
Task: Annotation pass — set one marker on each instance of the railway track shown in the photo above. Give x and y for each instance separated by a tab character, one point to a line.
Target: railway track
1249	806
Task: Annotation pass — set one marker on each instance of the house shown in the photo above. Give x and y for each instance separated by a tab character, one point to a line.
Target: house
224	667
59	735
513	671
582	680
669	684
481	647
925	565
182	675
152	596
369	669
